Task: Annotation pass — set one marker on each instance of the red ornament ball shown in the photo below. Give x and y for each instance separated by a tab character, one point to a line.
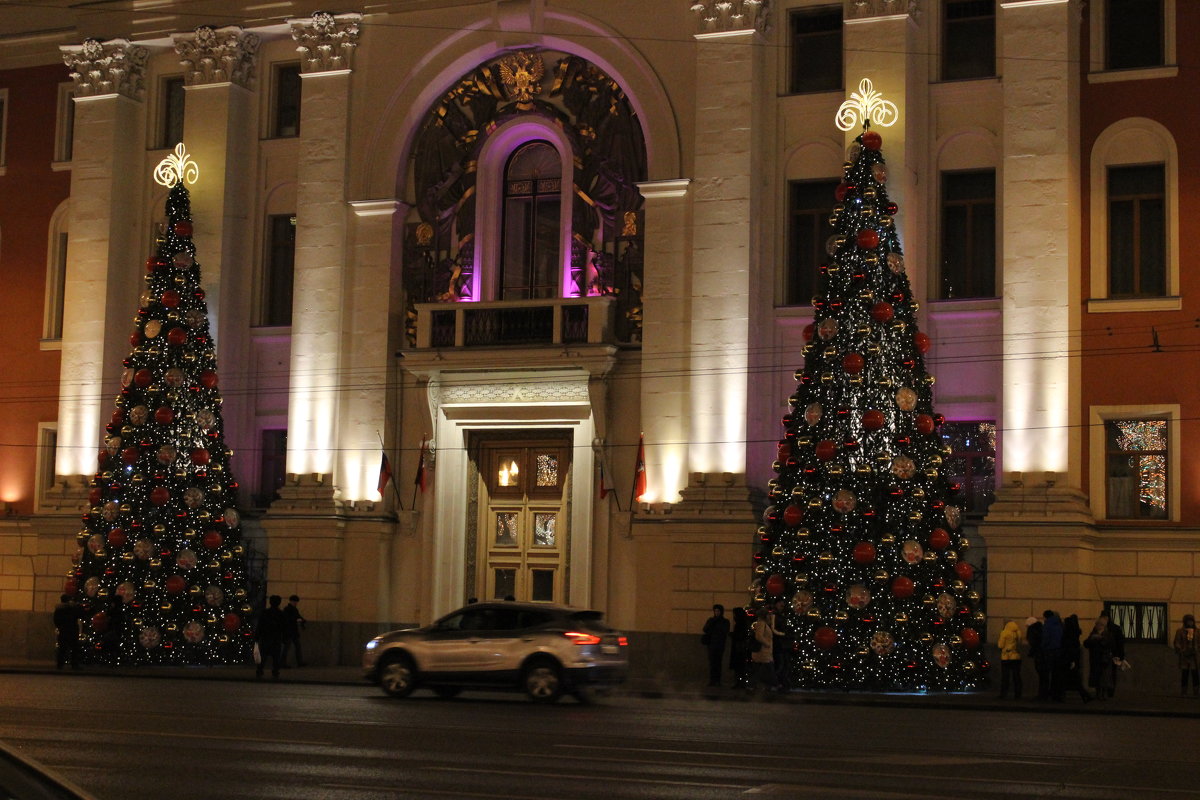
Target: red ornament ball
839	193
922	341
775	584
117	537
70	586
785	452
208	379
199	456
165	415
176	336
902	587
182	228
825	637
100	622
939	539
873	419
212	539
170	298
143	378
826	450
94	496
808	332
159	496
970	638
853	363
793	515
864	553
964	571
175	584
231	622
130	455
924	423
867	239
118	416
102	457
135	339
882	312
872	140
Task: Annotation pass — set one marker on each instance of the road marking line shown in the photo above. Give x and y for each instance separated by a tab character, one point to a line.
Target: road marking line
24	728
606	777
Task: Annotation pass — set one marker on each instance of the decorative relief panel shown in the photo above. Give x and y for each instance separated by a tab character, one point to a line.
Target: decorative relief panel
863	9
327	40
534	391
217	55
112	67
731	16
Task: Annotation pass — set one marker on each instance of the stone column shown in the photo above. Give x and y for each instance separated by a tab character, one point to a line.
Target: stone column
315	408
219	128
104	265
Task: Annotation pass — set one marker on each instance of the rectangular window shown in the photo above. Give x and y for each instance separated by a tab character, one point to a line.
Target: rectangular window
46	456
1133	34
272	467
1137	231
968	234
816	50
171	112
1140	622
1136	479
279	270
65	128
56	282
968	39
285	118
972	462
810	206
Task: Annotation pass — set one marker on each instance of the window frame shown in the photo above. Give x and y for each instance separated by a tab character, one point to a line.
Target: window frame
792	37
530	201
57	247
1131	142
1137	268
277	70
1098	459
944	35
162	128
791	273
265	319
64	127
1097	37
46	468
4	105
940	291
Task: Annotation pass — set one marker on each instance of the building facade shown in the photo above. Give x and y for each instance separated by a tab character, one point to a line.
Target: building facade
505	243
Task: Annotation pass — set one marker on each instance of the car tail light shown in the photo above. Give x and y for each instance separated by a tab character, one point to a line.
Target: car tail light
623	641
582	638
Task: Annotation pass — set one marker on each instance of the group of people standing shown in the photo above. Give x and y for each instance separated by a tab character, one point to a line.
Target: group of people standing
1056	649
756	648
278	629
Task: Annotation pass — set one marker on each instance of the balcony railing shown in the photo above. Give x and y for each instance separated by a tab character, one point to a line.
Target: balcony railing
575	320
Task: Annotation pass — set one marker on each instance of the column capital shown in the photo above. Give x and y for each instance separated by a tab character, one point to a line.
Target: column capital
217	55
858	10
327	40
731	17
102	68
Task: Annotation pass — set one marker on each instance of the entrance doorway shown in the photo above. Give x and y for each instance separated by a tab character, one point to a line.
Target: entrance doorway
523	519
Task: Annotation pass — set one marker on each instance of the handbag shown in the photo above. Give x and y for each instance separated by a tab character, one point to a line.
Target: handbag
257	653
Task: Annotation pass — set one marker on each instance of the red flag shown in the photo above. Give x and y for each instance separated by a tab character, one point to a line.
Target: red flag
604	490
419	480
385	473
639	470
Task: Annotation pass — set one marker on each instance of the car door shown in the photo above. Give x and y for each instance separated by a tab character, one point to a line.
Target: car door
450	646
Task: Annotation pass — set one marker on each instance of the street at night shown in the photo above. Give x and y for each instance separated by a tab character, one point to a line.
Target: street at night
131	738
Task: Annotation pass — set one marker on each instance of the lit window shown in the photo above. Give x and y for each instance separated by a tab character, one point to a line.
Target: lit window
816	50
285	118
1136	484
278	270
972	462
171	112
1133	34
968	39
1137	234
968	234
530	262
3	126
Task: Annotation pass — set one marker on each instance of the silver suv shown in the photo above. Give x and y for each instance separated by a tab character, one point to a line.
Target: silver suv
543	650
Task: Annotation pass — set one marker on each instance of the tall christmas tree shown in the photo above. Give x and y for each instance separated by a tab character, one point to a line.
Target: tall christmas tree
862	541
161	568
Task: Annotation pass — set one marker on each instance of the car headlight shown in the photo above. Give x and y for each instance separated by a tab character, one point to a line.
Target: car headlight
371	645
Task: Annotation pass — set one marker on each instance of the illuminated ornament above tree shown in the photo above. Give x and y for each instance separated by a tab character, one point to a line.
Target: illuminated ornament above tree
866	106
177	167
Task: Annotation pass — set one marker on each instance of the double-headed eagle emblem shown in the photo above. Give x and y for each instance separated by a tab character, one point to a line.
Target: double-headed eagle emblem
521	73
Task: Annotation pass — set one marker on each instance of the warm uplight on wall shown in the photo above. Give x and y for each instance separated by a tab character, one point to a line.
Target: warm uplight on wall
508	475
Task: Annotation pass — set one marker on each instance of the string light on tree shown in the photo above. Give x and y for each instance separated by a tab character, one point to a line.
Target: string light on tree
160	564
861	540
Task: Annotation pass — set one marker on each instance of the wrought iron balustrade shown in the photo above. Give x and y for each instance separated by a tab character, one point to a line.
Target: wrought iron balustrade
586	320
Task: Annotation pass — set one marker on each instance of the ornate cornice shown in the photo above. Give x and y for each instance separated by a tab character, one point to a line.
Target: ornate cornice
723	17
865	9
112	67
327	40
217	55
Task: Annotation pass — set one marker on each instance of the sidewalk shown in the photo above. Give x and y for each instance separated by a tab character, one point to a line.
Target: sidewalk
1129	703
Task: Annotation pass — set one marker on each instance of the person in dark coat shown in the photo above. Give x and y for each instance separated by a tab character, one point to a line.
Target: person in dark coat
269	636
294	622
1101	645
1071	660
1033	635
66	624
739	642
1187	647
1051	652
716	631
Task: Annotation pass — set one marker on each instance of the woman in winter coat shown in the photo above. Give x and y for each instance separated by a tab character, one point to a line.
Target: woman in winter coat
762	666
1187	647
1072	659
1010	660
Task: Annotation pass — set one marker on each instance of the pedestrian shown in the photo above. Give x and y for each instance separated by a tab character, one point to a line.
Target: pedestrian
294	622
66	624
1051	647
716	631
1010	660
269	636
1118	663
762	667
1033	635
1187	647
1101	648
114	629
780	644
1071	660
739	646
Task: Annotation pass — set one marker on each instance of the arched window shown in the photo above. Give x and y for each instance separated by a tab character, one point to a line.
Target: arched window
530	263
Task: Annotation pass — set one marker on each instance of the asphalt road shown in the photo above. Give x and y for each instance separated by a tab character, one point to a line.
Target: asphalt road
134	738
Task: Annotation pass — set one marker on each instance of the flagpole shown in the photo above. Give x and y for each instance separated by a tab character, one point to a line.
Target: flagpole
639	465
420	467
392	480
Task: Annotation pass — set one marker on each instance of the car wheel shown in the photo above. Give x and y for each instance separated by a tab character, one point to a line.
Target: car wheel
543	682
447	692
397	676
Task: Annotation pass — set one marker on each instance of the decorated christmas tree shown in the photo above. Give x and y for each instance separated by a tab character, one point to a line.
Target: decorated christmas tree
861	542
161	567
